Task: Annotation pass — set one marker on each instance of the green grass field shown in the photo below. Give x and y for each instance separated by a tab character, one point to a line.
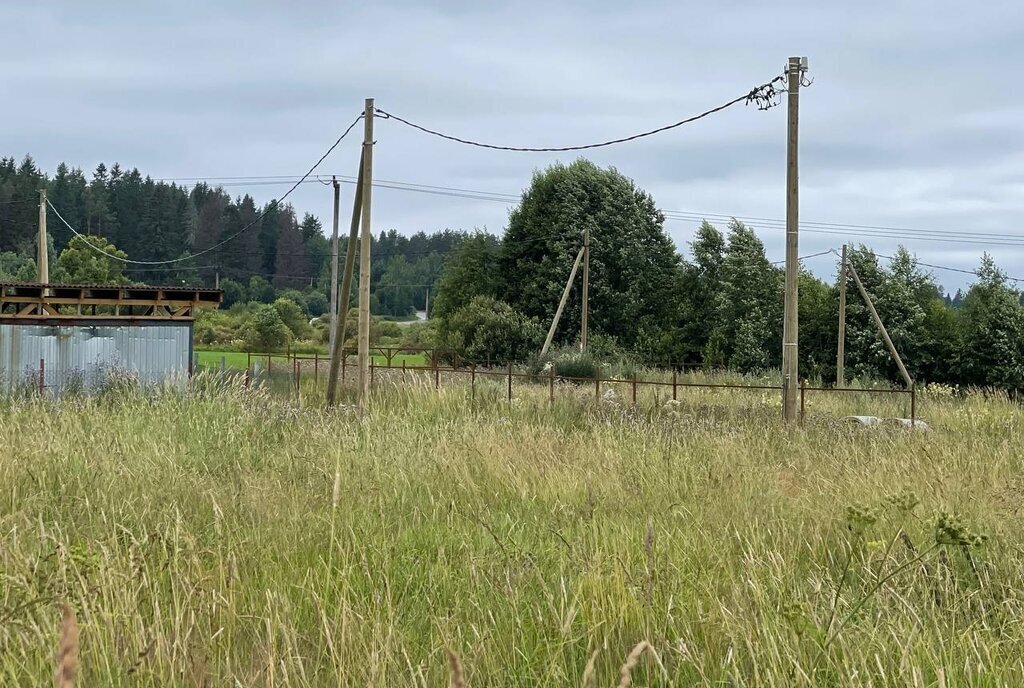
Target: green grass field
237	360
231	537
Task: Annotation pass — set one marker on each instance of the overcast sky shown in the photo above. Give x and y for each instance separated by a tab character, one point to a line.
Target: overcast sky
915	118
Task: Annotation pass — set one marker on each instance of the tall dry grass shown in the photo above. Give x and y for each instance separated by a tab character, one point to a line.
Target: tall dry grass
230	537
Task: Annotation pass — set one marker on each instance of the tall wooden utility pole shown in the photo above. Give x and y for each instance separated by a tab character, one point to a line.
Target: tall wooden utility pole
841	350
426	306
790	368
334	265
364	258
42	257
561	302
586	288
337	348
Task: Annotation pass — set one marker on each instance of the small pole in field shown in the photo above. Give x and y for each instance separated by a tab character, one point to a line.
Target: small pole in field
634	388
269	364
803	395
42	377
586	288
472	383
510	382
332	321
551	383
597	385
675	383
913	404
316	366
841	349
437	374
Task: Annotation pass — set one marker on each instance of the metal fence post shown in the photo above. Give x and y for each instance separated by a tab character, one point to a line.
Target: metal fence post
803	395
42	377
913	404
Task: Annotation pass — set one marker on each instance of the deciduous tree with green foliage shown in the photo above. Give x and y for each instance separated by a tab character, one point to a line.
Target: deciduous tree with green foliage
633	263
83	263
992	332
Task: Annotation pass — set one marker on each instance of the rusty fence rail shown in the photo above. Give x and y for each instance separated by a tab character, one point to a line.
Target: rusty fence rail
298	365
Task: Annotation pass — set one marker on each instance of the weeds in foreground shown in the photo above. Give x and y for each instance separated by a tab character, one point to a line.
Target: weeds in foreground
229	537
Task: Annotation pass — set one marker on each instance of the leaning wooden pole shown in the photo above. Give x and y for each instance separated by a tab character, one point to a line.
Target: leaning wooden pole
338	343
364	258
881	328
561	302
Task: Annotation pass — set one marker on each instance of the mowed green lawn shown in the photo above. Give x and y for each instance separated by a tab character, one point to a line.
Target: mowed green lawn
235	359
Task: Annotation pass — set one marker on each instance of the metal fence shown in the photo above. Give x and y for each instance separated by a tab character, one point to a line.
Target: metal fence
294	367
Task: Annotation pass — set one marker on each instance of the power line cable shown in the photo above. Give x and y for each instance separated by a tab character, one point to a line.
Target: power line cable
258	219
764	96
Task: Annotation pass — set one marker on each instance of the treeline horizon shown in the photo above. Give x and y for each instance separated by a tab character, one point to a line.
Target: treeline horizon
717	304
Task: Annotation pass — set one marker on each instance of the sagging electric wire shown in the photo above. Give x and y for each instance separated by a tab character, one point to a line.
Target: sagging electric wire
765	96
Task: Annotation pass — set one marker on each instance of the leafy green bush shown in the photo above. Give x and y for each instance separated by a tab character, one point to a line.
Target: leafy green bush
293	317
488	330
266	331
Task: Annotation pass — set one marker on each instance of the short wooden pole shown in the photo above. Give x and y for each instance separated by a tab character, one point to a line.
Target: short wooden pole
316	366
675	383
634	389
510	382
913	404
597	385
42	377
803	395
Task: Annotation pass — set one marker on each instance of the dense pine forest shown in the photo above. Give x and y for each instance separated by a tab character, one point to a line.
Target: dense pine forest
152	220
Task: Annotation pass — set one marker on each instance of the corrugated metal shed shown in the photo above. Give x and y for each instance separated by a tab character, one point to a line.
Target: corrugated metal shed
86	355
